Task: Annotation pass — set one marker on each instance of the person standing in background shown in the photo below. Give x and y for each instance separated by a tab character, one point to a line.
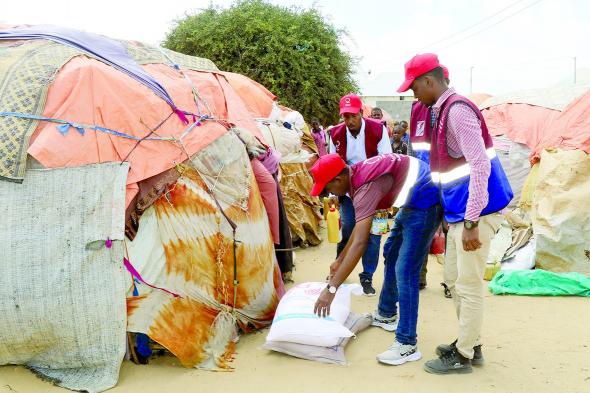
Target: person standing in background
355	140
319	136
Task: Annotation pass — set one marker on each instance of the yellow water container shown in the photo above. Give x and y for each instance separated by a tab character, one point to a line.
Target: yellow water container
326	202
333	220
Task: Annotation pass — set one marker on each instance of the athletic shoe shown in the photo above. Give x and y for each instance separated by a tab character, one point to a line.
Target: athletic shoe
477	354
389	324
368	289
399	353
449	363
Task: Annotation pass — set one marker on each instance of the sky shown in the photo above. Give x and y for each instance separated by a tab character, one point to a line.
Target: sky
489	46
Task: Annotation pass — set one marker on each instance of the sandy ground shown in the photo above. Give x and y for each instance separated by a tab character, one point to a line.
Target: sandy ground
530	345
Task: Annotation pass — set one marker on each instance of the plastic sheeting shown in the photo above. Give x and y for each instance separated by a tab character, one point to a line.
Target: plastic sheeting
539	283
561	212
540	127
88	91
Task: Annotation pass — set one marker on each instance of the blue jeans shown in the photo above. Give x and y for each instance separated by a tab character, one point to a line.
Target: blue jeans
404	252
371	255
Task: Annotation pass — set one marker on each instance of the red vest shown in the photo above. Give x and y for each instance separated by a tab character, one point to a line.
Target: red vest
440	160
420	123
452	174
373	135
372	168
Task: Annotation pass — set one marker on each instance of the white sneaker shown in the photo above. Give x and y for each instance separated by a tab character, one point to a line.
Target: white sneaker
399	354
389	324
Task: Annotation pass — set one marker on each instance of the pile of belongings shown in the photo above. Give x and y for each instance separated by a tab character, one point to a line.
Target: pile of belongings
136	196
543	139
298	332
287	133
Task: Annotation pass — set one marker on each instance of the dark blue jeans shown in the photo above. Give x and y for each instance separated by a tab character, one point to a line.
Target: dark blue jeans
404	252
371	255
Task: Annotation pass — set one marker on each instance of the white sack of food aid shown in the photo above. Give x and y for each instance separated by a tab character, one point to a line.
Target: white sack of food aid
296	322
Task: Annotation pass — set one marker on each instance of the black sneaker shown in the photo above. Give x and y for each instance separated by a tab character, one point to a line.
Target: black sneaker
368	289
449	363
477	353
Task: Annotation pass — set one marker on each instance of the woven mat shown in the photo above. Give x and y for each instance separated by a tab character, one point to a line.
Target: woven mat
26	71
62	292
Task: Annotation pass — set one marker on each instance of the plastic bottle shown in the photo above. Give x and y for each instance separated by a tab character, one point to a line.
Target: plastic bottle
326	207
333	225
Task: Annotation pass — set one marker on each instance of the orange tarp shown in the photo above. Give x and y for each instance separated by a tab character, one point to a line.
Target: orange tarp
258	99
88	91
541	128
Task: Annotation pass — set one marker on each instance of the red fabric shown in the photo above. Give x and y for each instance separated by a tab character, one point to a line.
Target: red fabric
419	132
569	130
541	128
268	191
373	135
371	169
521	123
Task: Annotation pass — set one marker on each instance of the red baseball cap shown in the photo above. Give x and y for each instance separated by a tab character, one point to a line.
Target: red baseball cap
350	103
417	66
324	171
445	71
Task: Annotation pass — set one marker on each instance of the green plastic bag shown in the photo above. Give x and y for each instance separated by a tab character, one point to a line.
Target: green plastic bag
539	283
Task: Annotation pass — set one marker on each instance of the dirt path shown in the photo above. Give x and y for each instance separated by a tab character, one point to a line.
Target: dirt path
539	345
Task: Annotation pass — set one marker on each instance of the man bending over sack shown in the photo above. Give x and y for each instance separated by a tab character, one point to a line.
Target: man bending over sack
378	183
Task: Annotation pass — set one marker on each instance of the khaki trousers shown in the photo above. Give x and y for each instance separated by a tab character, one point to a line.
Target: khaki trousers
463	274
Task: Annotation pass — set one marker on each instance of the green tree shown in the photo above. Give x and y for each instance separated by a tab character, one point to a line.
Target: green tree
294	52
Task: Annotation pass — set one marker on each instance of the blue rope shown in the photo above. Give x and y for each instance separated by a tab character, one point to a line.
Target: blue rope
64	126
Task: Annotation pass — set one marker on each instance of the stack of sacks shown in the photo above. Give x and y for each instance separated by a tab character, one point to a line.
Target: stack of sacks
298	332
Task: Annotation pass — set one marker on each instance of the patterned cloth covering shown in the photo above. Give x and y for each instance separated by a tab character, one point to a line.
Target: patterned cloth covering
148	54
303	210
185	245
26	71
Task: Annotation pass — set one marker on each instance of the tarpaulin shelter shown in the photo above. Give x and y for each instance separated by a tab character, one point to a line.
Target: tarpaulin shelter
551	128
301	208
201	263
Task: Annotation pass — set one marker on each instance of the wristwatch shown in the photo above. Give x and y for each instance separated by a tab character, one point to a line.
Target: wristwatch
468	224
332	289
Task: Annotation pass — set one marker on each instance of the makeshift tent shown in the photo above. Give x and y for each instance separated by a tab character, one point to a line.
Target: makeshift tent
531	125
192	201
302	209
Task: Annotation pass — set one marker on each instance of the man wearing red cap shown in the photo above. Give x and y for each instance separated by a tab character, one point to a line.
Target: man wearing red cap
379	183
473	190
355	140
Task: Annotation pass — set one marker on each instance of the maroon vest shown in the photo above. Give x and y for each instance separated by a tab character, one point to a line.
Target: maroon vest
372	168
419	123
373	135
440	160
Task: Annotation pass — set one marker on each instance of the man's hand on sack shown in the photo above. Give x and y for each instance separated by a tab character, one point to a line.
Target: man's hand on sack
322	306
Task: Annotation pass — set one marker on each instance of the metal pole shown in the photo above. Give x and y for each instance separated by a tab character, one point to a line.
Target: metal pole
575	76
471	79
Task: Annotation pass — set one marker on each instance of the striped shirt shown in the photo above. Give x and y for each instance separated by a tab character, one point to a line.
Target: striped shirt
464	140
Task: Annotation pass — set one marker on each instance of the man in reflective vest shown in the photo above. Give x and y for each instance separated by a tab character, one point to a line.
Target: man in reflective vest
355	140
379	183
419	147
473	191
